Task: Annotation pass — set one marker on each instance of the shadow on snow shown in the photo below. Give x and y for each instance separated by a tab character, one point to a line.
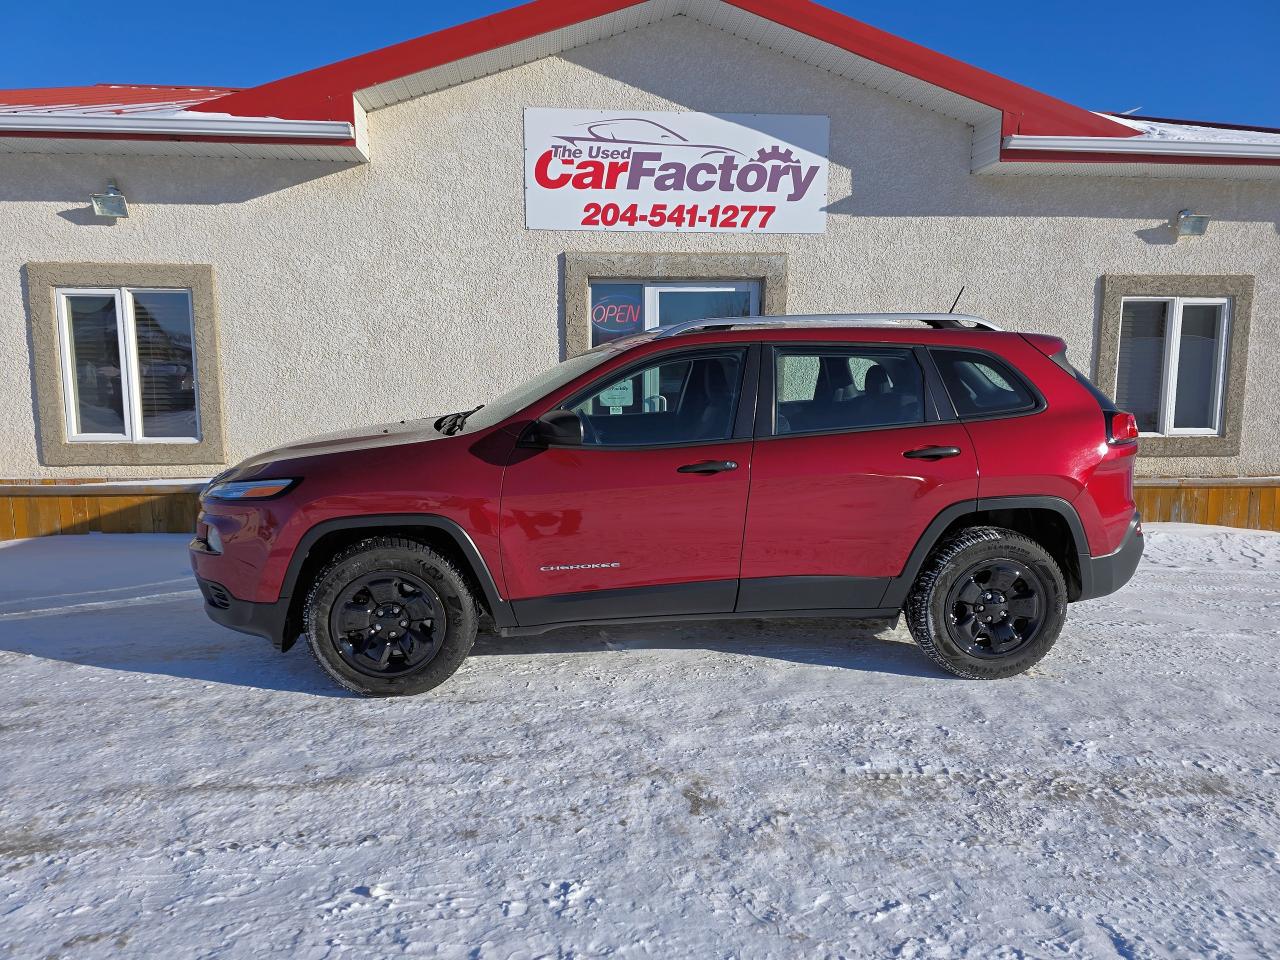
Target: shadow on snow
172	638
128	604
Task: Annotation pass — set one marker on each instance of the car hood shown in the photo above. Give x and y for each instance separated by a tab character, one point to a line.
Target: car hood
343	441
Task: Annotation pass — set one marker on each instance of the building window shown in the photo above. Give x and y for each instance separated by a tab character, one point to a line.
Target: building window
620	308
128	365
611	295
1174	350
1171	369
125	364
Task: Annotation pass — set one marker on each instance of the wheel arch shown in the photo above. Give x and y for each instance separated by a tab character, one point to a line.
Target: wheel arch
443	535
1050	521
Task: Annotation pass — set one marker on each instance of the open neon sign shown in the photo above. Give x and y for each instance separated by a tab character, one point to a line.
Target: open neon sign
616	314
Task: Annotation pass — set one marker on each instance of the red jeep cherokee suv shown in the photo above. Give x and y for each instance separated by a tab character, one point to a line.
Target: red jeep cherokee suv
852	466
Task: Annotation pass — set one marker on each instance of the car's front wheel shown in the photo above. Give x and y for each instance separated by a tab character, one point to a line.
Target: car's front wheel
988	604
388	617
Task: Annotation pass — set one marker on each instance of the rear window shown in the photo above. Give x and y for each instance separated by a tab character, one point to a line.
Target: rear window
982	386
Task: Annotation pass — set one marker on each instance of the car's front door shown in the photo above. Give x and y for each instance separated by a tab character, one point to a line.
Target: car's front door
852	463
646	516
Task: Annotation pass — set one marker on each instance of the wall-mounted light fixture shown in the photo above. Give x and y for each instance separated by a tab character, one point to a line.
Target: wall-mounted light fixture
112	203
1188	224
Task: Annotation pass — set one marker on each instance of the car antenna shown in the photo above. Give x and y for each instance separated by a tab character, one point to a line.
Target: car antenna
957	299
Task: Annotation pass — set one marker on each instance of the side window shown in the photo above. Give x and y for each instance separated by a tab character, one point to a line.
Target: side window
838	388
681	400
980	385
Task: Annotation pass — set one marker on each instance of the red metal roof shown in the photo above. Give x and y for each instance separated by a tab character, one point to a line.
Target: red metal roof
325	92
328	93
106	99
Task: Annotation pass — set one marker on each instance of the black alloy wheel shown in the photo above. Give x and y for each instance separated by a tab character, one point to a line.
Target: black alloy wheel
988	603
387	623
996	607
389	616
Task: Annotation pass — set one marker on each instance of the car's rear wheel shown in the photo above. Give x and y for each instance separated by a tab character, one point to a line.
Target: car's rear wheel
389	617
988	604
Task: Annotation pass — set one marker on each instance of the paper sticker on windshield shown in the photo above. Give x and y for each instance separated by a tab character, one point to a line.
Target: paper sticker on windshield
619	395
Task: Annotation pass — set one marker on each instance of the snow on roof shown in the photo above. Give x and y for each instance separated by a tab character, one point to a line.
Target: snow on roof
1191	132
106	100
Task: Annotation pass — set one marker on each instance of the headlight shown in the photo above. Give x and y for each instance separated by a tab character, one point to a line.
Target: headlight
248	489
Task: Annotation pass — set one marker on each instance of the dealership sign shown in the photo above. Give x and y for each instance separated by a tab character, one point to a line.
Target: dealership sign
700	172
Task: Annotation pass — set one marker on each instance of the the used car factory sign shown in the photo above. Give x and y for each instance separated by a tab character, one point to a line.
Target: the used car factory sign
629	170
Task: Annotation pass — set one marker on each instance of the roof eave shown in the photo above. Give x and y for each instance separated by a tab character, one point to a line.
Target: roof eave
237	128
236	137
1138	149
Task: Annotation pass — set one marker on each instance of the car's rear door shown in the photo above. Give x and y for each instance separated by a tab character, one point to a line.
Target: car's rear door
852	462
646	517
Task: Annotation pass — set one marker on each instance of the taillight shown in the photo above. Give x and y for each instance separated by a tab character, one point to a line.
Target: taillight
1122	428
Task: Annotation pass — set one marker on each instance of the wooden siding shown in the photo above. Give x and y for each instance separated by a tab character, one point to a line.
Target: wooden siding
42	509
1235	503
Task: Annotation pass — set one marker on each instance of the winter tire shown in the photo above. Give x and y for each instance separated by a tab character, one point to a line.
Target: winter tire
390	617
988	604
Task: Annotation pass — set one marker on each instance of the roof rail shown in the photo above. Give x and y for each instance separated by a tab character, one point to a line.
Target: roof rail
938	321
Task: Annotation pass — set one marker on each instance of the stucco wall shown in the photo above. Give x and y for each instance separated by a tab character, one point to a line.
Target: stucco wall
409	286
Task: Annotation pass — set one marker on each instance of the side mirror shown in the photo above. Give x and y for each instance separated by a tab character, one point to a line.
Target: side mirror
560	428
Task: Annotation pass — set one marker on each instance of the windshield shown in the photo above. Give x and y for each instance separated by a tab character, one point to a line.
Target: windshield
517	398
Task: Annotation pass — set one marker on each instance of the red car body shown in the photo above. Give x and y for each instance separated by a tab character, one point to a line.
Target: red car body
812	523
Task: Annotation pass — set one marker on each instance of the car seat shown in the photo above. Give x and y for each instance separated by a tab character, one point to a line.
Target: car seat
708	401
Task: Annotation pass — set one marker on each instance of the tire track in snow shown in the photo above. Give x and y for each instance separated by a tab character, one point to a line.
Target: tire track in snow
90	593
99	605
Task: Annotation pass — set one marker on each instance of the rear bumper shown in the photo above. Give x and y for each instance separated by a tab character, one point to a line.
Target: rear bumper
1100	576
266	620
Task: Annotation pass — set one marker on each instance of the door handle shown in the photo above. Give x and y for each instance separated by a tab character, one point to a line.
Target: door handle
708	466
932	453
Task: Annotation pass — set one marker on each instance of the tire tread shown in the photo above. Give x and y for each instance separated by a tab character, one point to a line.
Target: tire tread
918	613
369	545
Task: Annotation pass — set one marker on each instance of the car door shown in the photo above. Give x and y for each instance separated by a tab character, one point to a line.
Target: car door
851	464
646	516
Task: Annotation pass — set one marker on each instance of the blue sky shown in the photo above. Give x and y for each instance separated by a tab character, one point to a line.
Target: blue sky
1175	58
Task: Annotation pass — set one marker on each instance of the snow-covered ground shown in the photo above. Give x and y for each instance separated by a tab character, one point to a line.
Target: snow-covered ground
801	789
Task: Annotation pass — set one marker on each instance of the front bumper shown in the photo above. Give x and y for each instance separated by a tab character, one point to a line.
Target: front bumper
266	620
1100	576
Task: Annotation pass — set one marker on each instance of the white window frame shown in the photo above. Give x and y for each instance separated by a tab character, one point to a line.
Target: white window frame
1169	373
131	382
653	289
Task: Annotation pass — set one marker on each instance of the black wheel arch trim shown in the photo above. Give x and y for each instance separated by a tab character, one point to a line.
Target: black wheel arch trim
498	607
896	593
